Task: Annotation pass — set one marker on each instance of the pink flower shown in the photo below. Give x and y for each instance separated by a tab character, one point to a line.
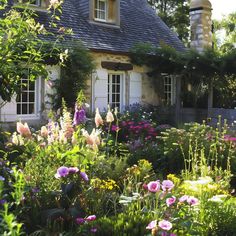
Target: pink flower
23	129
164	224
192	201
153	186
80	221
183	198
92	139
90	218
152	224
98	118
109	117
167	185
170	201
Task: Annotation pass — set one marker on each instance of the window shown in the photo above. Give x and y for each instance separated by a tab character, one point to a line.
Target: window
35	3
100	10
169	90
114	90
26	99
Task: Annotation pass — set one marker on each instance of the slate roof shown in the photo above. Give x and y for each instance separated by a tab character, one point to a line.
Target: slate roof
138	23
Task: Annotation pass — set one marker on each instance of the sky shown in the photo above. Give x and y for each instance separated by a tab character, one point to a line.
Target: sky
222	7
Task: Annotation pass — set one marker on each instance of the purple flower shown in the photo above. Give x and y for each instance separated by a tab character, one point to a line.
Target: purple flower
93	230
183	198
2	178
35	190
2	201
170	201
84	176
80	221
90	218
165	224
167	185
152	224
79	116
192	201
73	170
62	171
153	186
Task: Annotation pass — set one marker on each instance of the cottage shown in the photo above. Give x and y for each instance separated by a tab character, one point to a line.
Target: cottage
109	29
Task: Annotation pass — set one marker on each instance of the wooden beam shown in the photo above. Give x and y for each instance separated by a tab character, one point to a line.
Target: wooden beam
116	66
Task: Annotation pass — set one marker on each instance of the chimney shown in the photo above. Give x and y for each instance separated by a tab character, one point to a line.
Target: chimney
201	24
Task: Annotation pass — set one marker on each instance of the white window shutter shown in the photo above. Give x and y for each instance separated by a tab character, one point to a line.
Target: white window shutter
135	88
100	83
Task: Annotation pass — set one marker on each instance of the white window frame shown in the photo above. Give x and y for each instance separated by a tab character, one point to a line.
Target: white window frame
122	88
97	10
169	89
37	4
37	102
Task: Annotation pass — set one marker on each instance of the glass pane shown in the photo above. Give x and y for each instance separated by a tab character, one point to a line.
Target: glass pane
31	96
18	109
31	108
32	85
24	109
24	97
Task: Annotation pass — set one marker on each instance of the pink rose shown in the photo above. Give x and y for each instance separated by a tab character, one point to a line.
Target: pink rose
152	225
165	225
167	185
153	186
170	201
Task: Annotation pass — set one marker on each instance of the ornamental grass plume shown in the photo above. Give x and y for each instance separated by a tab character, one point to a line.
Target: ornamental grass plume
98	118
23	129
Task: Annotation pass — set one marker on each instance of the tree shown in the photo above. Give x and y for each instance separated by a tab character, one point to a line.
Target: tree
227	28
22	48
175	13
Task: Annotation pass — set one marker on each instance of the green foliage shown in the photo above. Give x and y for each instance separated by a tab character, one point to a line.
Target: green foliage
22	49
175	13
78	67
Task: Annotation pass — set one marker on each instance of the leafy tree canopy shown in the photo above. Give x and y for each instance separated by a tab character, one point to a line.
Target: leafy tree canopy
175	13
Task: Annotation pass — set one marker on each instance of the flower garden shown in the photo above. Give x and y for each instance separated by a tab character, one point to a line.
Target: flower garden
117	174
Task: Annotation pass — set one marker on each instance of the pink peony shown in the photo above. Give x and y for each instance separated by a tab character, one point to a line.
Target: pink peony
192	201
23	129
153	186
98	118
165	225
167	185
170	201
152	225
90	218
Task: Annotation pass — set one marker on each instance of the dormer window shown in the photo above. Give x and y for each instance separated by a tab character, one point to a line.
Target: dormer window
105	11
38	4
100	10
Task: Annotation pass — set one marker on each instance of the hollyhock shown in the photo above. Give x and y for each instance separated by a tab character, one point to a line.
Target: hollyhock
152	224
165	225
90	218
170	201
167	185
192	201
153	186
109	117
23	129
98	118
62	171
